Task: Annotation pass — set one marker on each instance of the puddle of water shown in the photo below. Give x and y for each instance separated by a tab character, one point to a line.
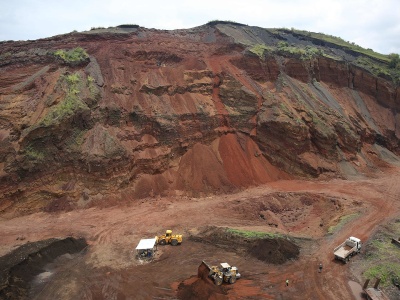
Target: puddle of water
356	289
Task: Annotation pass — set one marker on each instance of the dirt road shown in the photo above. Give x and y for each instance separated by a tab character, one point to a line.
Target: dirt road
303	209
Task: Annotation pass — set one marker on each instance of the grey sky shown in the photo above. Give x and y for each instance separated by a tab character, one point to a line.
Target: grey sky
371	24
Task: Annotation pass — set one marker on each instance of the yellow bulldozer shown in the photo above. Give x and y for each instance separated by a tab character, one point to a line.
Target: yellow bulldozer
222	273
169	238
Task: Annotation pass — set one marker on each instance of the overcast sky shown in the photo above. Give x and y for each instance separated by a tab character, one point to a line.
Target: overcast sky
371	24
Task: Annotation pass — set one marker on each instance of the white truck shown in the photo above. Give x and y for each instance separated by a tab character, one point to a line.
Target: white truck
347	249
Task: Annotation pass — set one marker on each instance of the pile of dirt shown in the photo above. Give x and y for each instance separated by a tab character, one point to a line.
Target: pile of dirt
18	268
201	287
198	288
275	250
304	213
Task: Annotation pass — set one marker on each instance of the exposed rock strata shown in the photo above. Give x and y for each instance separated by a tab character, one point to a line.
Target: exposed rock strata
181	112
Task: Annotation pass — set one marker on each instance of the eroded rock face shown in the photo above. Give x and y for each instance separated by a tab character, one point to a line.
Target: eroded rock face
192	112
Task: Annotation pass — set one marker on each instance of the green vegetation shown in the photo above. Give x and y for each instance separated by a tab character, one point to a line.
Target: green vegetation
342	221
72	84
305	53
253	234
128	26
283	48
260	49
73	56
33	154
390	70
385	271
90	80
216	22
94	92
383	257
337	41
394	62
381	65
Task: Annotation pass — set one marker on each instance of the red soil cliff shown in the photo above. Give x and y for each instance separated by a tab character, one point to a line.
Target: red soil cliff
196	111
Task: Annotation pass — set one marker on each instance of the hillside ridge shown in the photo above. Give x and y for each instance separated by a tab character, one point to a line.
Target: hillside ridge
123	113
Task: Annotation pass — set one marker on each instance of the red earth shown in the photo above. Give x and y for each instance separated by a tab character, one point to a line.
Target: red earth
304	210
189	131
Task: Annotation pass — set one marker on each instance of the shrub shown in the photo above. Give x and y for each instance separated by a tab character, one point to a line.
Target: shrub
260	49
74	56
394	60
216	22
128	26
70	104
253	234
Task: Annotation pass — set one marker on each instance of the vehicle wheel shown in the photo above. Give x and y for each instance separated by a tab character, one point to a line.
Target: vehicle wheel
163	242
218	280
174	242
232	280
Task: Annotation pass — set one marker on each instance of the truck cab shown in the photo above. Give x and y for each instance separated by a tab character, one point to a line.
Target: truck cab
357	241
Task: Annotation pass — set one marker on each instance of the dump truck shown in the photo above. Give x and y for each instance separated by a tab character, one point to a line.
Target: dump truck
223	273
347	249
169	238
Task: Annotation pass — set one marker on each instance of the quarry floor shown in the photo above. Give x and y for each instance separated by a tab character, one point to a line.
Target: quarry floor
317	215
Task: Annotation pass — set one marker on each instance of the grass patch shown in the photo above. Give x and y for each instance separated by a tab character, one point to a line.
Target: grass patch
381	65
73	56
260	49
342	221
387	272
217	22
284	49
72	84
304	53
253	234
128	26
94	92
383	257
379	69
338	41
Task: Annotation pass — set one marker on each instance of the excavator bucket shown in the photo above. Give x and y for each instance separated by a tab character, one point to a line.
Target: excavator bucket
203	272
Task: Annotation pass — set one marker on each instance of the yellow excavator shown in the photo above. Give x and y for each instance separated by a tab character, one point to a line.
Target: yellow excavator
169	238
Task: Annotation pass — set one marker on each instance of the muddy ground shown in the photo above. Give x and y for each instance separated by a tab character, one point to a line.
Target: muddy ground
309	217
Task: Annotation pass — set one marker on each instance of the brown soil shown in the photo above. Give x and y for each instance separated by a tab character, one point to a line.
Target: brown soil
275	250
19	268
301	210
195	288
